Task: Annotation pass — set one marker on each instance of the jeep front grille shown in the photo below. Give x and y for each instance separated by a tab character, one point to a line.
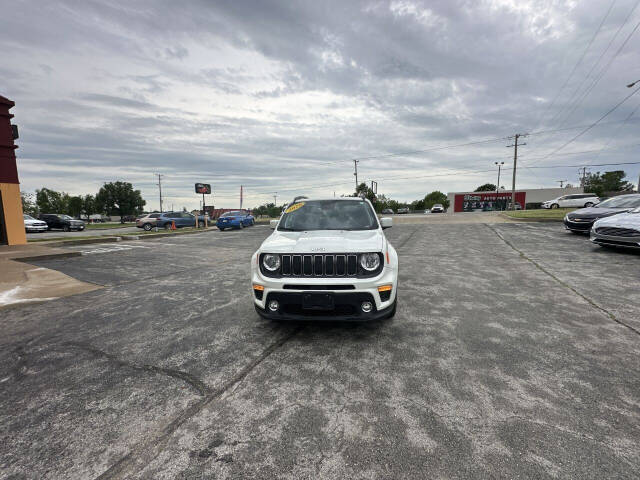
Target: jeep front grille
325	265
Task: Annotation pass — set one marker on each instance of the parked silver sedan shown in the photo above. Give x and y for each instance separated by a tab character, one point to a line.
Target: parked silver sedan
33	225
622	230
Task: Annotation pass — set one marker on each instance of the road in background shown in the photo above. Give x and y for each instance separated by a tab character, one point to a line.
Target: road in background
514	353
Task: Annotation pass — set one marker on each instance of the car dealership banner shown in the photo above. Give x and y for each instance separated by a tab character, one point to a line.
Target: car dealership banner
486	201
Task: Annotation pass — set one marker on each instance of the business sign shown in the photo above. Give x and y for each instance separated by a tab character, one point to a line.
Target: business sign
203	188
486	202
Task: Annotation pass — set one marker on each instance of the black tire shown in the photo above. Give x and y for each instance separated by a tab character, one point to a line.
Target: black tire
221	229
555	205
167	226
66	228
241	226
588	204
147	227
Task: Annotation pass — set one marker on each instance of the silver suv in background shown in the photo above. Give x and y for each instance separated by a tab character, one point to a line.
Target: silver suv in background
148	222
578	200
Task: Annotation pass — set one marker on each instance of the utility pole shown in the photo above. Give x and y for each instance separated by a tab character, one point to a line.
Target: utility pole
498	184
583	176
561	182
515	164
275	198
355	168
160	188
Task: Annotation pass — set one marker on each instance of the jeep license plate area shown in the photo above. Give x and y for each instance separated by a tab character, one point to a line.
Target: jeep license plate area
317	301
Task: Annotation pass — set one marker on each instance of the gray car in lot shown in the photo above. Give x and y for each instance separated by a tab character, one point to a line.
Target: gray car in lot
622	230
580	221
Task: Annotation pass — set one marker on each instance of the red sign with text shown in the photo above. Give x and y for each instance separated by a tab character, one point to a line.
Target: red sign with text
484	202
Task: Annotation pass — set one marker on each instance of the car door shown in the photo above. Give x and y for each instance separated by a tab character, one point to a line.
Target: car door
564	201
188	220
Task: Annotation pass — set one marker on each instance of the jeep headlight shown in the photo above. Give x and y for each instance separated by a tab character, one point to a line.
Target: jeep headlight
370	261
271	262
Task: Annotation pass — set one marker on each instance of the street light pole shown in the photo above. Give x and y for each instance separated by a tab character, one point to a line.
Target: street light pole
631	85
498	184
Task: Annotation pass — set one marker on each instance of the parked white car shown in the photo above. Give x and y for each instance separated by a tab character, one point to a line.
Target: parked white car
621	230
33	225
578	200
437	208
327	259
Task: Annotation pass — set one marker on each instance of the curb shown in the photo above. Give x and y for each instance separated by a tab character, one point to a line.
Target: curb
534	220
48	256
118	238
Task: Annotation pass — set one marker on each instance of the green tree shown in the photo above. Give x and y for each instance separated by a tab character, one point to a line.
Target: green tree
601	184
50	201
436	197
368	193
119	198
487	187
75	206
89	205
28	205
417	205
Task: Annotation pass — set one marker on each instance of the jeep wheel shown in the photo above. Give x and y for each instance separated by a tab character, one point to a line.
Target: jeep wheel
147	227
588	204
555	205
66	228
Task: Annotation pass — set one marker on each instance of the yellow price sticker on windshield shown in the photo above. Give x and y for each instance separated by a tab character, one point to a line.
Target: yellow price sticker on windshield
294	207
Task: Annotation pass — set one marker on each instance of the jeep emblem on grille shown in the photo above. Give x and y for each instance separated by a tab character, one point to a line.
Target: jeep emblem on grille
318	249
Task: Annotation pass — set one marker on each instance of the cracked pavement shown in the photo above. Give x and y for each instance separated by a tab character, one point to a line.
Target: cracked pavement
514	354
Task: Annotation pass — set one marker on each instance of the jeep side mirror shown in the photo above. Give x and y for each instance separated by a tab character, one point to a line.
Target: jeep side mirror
273	224
386	222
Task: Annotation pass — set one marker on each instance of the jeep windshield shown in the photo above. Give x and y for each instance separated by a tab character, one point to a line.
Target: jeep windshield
328	215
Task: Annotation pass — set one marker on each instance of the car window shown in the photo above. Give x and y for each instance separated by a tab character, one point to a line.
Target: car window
155	215
622	201
328	215
230	214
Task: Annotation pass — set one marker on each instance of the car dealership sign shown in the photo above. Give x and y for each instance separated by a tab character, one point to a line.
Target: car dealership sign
486	201
203	188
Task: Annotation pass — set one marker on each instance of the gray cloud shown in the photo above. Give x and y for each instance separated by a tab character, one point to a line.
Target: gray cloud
280	95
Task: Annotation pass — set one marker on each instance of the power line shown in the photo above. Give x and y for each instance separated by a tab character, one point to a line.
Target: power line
600	75
575	67
593	124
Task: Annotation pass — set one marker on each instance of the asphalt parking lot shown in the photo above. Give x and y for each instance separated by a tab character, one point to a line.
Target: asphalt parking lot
515	353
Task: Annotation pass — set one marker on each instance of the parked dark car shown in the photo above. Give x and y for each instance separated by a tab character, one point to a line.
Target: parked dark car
235	219
61	222
387	211
580	221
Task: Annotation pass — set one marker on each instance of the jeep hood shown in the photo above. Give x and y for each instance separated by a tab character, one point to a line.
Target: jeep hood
324	241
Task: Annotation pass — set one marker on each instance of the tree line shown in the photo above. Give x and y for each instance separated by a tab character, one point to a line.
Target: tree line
380	202
113	198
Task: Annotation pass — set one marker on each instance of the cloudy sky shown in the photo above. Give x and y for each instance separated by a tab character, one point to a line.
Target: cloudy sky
281	96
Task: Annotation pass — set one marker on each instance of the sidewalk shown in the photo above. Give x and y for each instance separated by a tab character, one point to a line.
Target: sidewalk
21	282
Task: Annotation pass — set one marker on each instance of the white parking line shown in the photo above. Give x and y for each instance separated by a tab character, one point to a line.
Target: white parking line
111	247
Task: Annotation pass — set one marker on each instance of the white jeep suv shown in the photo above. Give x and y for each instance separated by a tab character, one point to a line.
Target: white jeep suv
327	259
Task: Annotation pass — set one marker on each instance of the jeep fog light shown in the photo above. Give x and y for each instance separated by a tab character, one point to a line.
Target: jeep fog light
366	307
274	305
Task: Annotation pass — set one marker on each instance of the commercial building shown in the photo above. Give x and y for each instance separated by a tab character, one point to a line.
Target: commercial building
11	220
483	201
